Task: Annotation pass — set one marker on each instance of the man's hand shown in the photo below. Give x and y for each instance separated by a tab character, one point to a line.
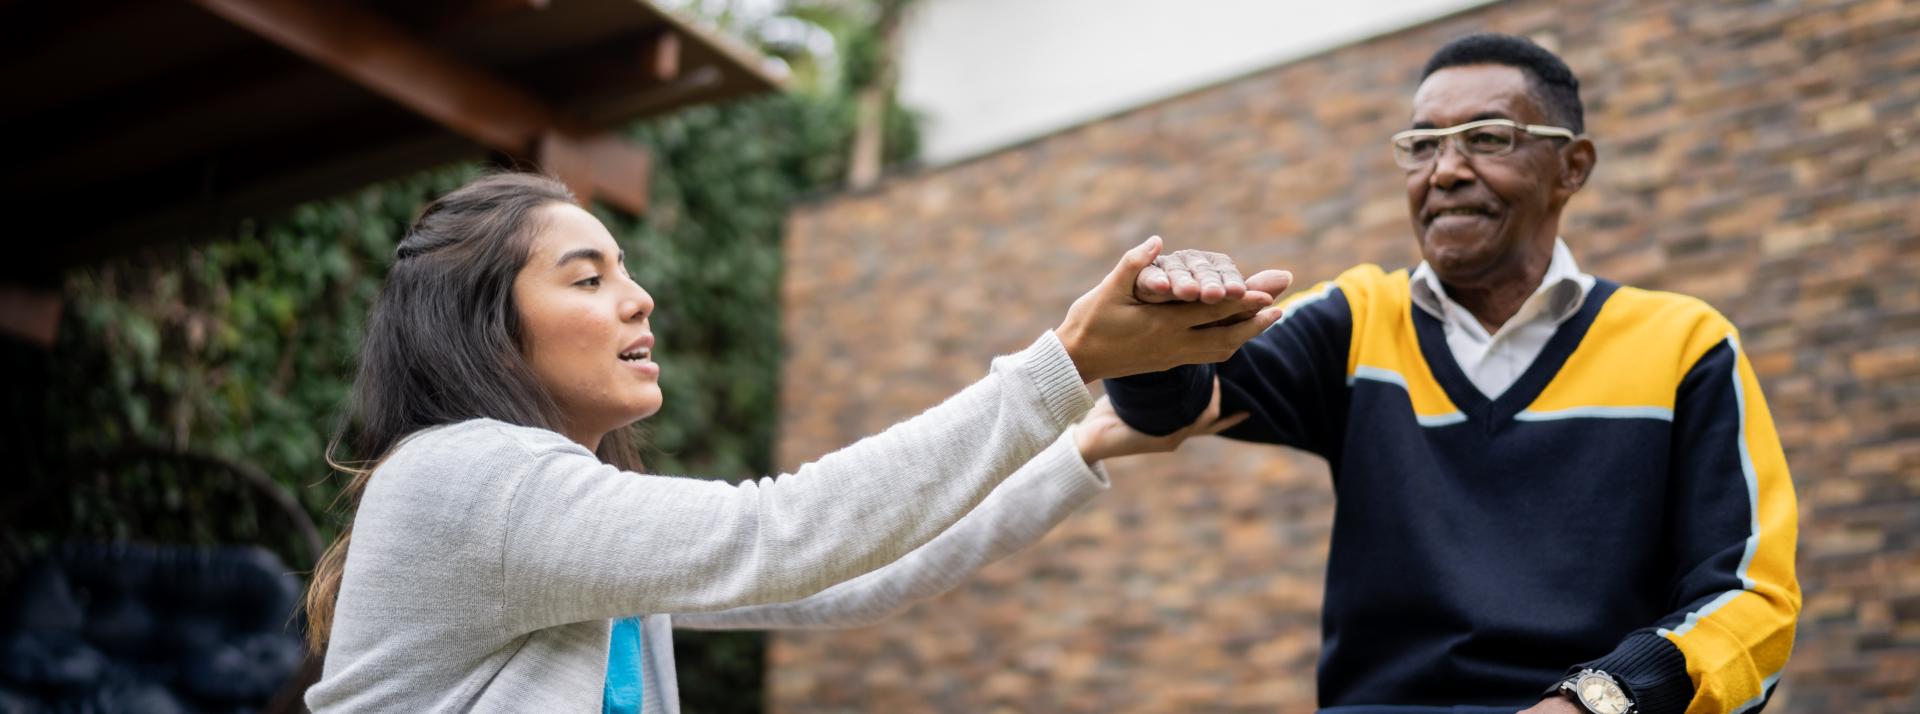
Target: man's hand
1558	704
1102	435
1202	276
1109	333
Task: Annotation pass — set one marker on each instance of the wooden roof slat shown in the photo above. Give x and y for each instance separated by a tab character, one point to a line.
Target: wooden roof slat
158	119
380	56
627	63
154	124
92	50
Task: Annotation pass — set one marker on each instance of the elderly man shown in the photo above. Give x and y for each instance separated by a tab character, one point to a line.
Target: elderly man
1554	492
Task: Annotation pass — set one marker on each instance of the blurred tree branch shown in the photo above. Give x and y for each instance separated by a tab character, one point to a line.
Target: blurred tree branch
873	95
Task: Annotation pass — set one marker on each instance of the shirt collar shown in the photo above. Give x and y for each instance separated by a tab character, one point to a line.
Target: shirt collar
1563	288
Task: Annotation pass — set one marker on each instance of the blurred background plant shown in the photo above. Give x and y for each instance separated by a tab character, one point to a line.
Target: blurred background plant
239	349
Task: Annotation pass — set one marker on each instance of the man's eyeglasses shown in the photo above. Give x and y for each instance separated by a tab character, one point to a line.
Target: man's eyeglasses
1418	148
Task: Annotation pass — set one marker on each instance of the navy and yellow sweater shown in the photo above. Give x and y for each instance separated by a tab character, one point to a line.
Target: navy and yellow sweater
1624	505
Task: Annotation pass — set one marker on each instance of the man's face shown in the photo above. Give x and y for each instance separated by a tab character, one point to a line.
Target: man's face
1477	217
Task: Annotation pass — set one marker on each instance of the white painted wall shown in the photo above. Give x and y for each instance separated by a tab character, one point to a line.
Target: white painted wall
988	73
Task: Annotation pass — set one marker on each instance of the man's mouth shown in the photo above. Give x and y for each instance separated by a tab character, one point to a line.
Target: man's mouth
1460	220
1472	212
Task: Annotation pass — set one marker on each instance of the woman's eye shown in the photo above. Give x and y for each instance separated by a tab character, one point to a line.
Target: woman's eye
592	282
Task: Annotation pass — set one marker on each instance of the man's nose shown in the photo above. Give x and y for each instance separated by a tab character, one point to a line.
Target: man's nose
1450	167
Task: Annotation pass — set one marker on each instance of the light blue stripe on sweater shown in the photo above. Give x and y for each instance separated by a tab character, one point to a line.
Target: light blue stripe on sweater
1765	687
1753	508
1659	413
1388	376
625	655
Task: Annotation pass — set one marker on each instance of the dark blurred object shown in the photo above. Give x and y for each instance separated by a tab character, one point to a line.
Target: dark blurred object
158	495
142	628
194	626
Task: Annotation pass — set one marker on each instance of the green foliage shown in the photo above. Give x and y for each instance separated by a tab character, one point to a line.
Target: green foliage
240	347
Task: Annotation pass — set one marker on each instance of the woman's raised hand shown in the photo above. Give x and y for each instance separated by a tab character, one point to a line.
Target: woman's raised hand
1110	332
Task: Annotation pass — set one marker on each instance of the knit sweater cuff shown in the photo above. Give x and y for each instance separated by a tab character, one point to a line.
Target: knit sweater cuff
1652	669
1057	379
1068	472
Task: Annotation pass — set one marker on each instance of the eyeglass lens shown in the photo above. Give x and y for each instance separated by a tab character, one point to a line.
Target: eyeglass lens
1480	141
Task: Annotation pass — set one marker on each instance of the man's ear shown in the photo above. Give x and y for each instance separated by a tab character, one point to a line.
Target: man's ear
1576	165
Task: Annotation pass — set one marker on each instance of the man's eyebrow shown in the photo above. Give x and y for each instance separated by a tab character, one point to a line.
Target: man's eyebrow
1424	124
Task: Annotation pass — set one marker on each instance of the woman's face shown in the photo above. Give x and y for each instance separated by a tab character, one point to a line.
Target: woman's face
584	322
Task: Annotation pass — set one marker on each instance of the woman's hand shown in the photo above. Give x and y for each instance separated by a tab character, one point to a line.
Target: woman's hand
1101	434
1109	332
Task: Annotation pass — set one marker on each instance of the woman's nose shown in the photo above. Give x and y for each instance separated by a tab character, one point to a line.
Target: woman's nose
637	305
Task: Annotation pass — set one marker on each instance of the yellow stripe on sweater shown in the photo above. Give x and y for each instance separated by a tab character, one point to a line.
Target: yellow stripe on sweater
1384	347
1645	342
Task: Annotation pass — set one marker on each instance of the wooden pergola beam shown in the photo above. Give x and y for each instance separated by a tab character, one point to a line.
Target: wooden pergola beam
377	54
598	166
371	51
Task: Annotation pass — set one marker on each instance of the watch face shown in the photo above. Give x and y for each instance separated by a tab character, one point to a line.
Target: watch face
1600	694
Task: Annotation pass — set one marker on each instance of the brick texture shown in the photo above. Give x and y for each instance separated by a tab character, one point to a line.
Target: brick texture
1764	156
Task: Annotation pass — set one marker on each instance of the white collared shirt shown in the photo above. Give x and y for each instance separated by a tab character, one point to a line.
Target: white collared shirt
1494	362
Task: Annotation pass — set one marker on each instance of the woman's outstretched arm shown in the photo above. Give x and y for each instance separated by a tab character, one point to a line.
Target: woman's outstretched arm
583	540
1019	513
1016	515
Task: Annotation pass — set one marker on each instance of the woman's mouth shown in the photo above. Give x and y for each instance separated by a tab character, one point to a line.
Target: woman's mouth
640	357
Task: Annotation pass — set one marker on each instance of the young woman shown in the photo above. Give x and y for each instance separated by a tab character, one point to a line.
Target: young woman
503	548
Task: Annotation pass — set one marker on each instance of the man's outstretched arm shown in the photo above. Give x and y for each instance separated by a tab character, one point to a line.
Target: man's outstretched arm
1291	379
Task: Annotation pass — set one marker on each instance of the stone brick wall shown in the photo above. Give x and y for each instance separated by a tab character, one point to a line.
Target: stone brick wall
1764	156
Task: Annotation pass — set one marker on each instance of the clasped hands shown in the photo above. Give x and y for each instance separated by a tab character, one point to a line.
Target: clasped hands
1154	312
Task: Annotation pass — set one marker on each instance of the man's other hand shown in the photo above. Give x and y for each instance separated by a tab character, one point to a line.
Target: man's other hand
1202	276
1102	435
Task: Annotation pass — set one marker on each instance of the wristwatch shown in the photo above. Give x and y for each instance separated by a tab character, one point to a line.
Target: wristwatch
1597	692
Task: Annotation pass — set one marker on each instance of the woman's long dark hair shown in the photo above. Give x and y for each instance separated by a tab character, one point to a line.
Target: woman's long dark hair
444	345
